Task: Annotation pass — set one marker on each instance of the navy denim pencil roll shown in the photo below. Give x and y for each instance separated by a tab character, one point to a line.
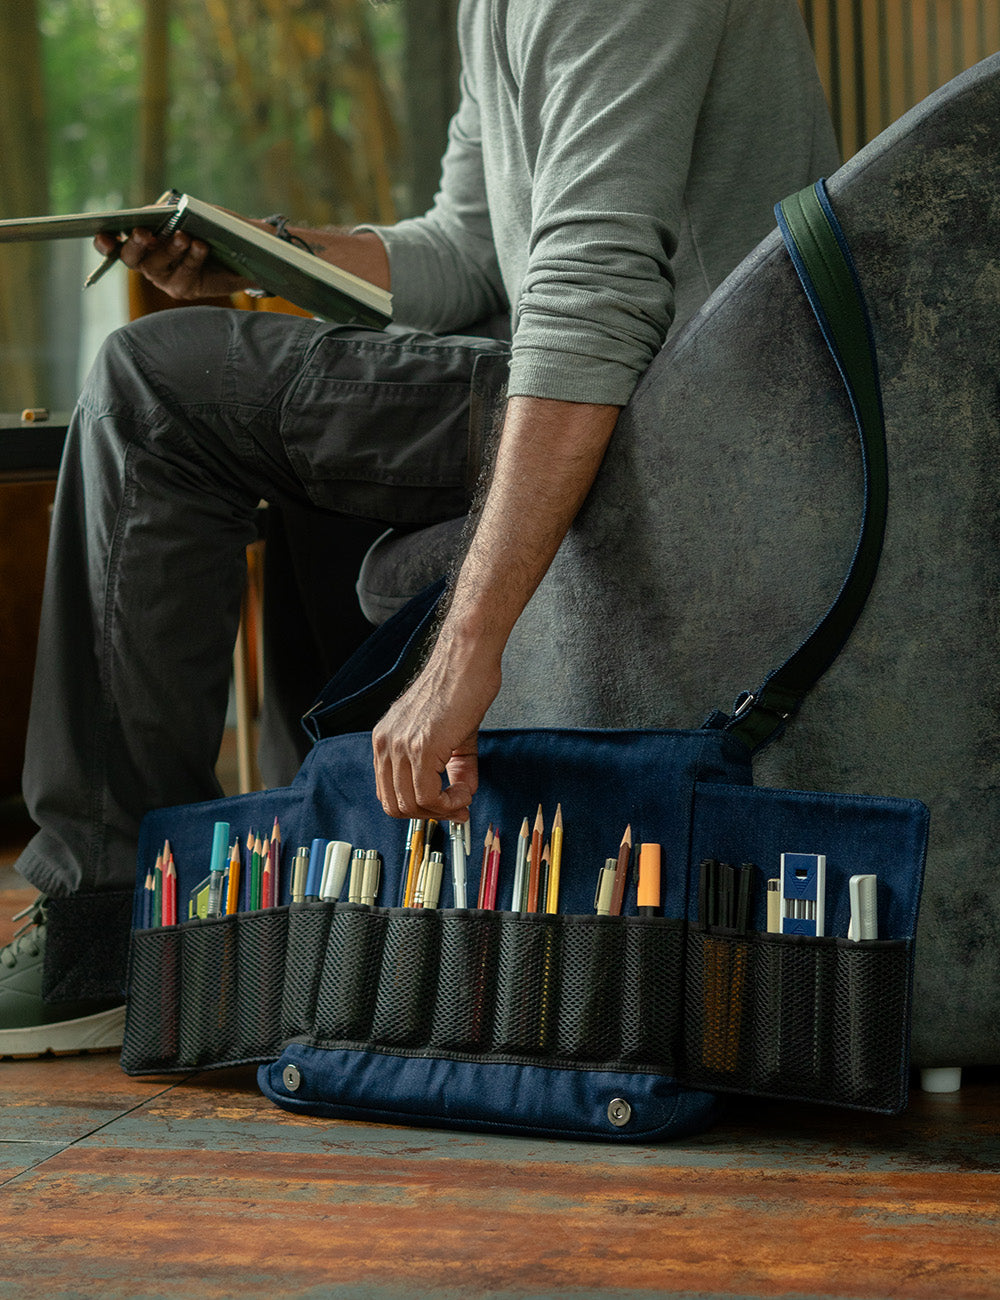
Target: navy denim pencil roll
621	1026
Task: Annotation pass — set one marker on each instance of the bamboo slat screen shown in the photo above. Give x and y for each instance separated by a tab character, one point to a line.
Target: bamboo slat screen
877	58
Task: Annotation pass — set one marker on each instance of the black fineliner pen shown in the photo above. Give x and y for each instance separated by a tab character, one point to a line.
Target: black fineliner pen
744	886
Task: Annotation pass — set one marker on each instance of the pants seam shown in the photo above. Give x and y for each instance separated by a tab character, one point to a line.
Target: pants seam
105	715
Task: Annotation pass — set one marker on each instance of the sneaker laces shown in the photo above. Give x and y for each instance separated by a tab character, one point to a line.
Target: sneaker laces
25	941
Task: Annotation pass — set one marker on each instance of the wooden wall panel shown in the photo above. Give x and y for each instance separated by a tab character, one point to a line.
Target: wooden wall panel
877	58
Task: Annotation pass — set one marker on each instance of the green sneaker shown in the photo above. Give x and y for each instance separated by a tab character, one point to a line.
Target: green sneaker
31	1027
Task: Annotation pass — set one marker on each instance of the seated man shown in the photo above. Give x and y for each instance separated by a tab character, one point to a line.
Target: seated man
606	168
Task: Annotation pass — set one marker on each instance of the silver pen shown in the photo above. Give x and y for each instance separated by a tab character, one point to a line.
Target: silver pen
605	887
372	876
357	876
456	831
335	865
432	880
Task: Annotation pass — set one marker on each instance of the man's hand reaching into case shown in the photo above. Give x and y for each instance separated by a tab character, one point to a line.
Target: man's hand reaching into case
431	733
548	457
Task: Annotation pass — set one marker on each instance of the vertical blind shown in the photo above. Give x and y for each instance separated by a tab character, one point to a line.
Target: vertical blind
877	58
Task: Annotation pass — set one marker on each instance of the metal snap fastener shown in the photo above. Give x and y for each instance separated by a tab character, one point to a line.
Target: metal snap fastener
619	1112
291	1077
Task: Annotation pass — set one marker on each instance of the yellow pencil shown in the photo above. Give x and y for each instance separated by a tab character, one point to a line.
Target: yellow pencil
233	894
555	860
416	858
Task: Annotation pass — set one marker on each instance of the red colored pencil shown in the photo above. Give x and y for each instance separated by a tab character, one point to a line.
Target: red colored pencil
484	870
267	877
170	892
493	874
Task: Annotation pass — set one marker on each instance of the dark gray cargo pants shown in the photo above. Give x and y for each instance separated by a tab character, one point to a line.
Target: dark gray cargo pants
189	418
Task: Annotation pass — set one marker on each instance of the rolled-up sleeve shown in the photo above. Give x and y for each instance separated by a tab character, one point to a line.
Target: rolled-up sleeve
608	103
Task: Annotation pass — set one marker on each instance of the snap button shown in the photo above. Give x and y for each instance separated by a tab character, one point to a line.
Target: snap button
291	1077
619	1112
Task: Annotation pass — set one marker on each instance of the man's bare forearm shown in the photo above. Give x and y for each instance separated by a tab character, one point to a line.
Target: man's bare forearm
362	254
547	461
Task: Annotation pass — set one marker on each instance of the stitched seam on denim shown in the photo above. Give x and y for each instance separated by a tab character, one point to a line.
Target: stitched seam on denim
395	347
107	707
384	479
391	387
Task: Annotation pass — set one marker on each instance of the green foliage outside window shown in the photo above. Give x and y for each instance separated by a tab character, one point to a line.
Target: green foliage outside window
259	105
272	103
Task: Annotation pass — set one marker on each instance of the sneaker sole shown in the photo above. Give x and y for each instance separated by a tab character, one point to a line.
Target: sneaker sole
100	1032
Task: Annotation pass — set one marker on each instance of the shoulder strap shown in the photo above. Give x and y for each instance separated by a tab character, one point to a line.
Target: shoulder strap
826	269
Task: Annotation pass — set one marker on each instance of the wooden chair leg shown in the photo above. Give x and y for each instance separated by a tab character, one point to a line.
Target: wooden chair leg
245	713
247	677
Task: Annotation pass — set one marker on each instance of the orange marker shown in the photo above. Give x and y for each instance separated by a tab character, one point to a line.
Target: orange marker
648	897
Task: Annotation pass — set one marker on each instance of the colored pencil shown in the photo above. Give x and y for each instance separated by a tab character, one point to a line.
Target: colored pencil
621	872
555	860
484	870
519	897
535	860
233	888
493	874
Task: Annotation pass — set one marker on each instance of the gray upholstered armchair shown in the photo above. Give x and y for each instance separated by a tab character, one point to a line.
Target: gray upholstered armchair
726	511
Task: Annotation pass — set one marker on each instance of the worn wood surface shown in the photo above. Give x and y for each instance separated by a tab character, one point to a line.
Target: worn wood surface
198	1186
151	1187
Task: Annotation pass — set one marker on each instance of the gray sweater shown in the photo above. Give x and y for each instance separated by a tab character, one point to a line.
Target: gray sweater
608	165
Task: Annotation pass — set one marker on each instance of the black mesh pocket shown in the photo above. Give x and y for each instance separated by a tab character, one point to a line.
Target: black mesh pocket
798	1018
404	1003
308	931
718	1007
260	976
150	1043
793	1017
871	1008
463	1006
652	992
208	1024
206	993
527	993
348	983
590	984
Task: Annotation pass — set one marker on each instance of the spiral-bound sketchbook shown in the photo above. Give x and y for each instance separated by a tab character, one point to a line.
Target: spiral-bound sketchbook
280	268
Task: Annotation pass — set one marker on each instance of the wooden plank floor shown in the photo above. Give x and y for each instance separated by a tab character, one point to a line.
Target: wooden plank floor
197	1186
